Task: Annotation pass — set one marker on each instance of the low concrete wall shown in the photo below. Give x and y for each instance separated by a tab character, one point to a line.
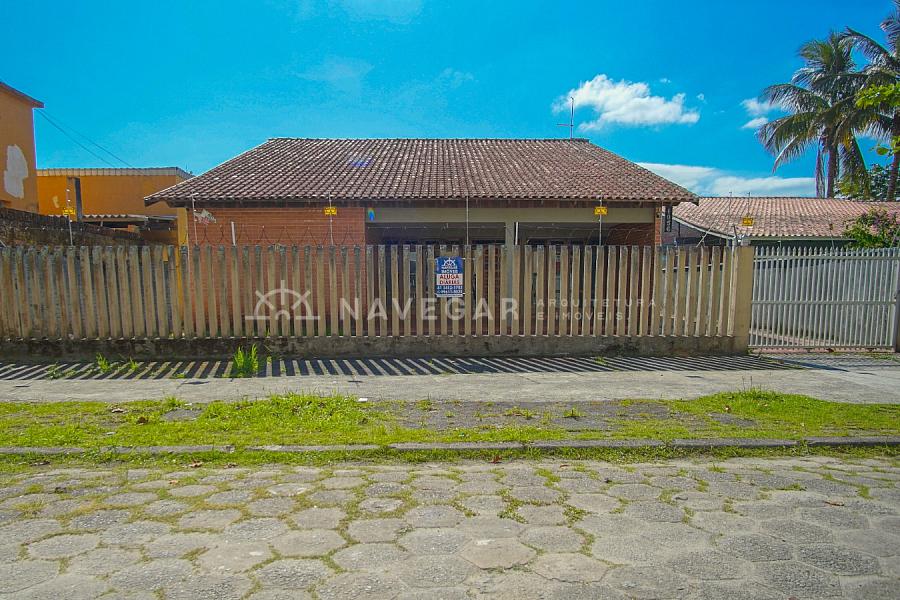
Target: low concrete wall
378	347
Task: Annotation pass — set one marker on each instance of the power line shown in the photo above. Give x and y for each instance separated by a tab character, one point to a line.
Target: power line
62	128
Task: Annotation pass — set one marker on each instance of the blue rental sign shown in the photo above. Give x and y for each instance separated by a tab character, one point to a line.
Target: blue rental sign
448	277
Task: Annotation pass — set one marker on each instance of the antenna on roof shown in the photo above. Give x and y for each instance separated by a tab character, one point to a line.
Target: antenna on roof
571	123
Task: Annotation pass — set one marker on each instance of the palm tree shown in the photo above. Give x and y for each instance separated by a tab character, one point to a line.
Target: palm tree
821	101
884	69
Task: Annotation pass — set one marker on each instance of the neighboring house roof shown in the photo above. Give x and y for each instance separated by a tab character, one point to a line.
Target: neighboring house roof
316	170
776	217
23	97
114	172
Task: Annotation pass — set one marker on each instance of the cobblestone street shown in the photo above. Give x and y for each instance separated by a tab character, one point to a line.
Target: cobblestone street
811	527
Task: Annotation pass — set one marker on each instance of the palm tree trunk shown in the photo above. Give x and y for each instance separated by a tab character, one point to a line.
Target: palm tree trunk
831	174
895	163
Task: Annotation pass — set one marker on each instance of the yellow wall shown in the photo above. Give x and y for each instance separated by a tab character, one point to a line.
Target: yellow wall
106	194
18	185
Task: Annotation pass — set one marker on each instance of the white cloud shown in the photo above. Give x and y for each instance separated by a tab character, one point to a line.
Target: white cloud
625	103
755	108
665	80
710	181
454	78
755	123
701	97
341	72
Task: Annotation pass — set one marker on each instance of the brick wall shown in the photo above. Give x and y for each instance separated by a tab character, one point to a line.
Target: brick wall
19	228
284	226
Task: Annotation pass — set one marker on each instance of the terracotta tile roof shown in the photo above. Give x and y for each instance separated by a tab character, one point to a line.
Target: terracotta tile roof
312	170
776	217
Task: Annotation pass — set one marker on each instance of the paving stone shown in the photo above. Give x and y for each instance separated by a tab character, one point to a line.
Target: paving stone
262	528
837	517
235	557
610	525
341	483
490	527
229	498
433	496
874	541
210	587
520	585
330	497
166	508
634	491
132	535
131	499
15	577
270	507
63	546
29	530
299	574
593	503
870	588
796	532
441	593
376	530
654	511
360	586
318	518
838	560
215	520
384	488
633	549
151	575
709	564
569	567
434	540
307	543
484	505
537	494
288	489
68	586
103	561
432	571
582	485
798	579
648	582
755	547
722	522
192	491
361	557
433	516
743	590
542	515
378	506
552	539
479	487
502	553
176	545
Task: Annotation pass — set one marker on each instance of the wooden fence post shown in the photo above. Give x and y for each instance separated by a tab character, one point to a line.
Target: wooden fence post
743	296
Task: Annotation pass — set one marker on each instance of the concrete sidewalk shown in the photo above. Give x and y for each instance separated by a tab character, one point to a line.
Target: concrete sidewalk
836	378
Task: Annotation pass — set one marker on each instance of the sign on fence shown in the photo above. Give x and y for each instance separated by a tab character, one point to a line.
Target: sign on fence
448	277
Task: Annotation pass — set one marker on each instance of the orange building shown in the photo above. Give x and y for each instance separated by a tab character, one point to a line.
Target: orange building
18	188
111	197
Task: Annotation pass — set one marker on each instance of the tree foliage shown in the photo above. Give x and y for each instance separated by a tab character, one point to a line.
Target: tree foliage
877	228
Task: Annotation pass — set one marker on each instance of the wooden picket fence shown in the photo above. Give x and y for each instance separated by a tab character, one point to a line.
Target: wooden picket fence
371	291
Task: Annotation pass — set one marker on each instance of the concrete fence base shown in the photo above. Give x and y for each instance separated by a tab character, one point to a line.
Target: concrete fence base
371	347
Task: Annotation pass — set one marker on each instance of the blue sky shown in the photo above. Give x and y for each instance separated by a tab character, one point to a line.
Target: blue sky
192	84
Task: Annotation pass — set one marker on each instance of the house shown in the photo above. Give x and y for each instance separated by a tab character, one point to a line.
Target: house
767	220
452	191
18	189
113	198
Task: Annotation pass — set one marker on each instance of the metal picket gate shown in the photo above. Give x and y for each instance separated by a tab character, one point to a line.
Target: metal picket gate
825	298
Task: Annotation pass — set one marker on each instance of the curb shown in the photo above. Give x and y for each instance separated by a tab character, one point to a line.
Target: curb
620	444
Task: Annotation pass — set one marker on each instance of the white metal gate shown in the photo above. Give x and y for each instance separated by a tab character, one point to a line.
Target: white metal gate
825	298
